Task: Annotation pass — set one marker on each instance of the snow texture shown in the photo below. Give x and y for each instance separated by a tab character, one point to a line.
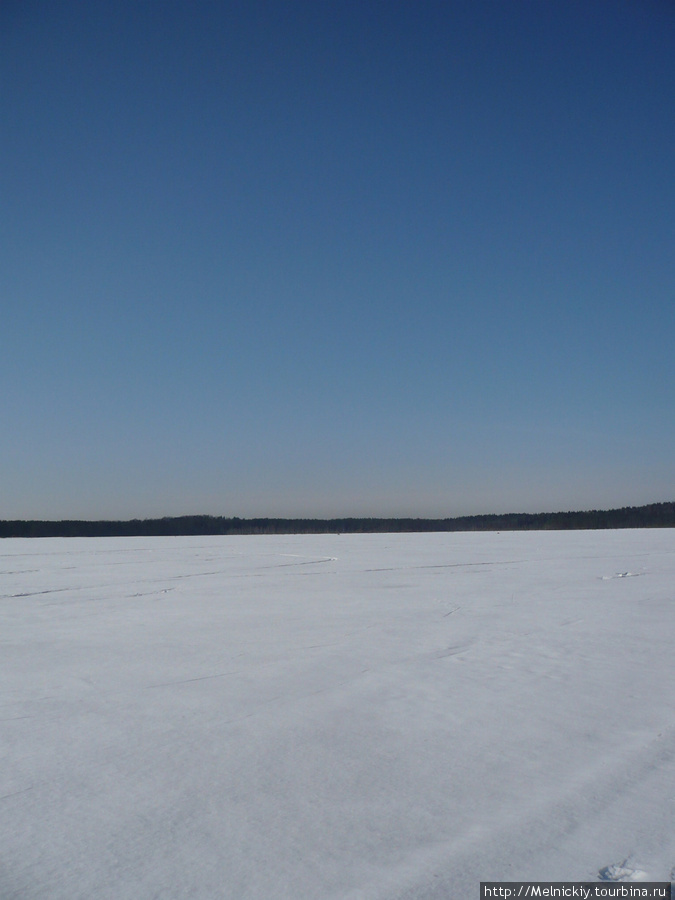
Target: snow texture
335	717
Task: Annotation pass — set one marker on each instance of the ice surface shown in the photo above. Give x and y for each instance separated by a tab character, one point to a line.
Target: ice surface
335	717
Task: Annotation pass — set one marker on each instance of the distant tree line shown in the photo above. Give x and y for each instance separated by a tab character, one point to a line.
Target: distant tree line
655	515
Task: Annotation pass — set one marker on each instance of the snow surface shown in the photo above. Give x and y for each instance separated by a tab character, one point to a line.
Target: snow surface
335	717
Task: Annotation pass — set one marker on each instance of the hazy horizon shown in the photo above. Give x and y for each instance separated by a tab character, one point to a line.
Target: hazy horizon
314	260
190	515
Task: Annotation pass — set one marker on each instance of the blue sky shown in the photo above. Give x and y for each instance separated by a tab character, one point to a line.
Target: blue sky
336	258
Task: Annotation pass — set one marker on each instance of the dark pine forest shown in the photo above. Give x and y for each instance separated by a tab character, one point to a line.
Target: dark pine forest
655	515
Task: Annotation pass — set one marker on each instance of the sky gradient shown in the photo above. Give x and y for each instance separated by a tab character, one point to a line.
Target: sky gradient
332	258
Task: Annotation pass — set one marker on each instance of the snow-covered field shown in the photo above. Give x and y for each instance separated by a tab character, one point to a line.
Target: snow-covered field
335	717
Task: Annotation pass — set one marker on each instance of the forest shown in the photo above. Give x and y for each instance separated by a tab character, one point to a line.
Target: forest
654	515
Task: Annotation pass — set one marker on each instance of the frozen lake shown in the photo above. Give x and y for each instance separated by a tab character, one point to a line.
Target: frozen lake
335	717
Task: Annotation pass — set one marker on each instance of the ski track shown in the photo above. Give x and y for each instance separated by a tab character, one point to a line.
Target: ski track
458	865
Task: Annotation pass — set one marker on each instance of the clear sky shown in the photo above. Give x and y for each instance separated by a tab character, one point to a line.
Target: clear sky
299	257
